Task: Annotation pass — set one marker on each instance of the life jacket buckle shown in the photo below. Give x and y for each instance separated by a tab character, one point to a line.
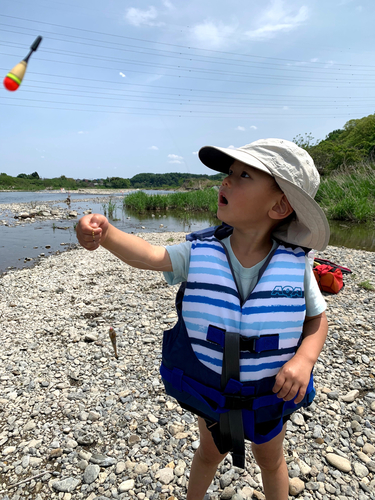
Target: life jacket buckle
259	344
238	402
247	343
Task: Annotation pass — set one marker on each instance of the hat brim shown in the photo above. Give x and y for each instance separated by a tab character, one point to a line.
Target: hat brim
220	159
309	230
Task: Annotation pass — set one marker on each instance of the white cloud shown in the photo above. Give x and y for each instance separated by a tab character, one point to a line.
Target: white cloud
153	78
314	60
82	132
195	152
241	129
168	4
211	35
232	147
277	19
138	17
175	159
285	108
329	64
122	74
154	148
253	127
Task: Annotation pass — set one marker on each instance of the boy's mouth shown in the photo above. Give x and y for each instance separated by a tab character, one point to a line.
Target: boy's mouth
222	199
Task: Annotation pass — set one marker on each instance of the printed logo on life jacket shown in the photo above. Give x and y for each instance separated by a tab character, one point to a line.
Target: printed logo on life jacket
287	291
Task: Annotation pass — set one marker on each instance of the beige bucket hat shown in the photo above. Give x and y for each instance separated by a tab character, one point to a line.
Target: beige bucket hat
295	173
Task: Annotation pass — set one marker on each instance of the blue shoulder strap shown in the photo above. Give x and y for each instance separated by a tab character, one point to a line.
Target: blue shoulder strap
220	232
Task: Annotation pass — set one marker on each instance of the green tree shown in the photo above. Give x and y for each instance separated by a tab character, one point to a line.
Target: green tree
118	182
353	144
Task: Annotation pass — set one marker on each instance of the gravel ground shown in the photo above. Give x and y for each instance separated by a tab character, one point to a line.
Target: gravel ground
77	423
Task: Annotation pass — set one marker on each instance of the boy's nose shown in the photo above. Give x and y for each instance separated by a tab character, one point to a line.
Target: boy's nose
225	181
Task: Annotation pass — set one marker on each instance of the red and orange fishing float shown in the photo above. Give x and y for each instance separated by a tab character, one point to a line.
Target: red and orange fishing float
14	78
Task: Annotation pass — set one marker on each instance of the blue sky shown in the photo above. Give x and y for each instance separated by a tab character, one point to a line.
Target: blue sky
118	88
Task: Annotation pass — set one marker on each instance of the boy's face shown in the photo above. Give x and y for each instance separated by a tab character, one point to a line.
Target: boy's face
246	197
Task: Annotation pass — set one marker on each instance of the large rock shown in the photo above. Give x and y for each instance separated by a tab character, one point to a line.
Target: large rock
340	463
165	475
91	473
296	486
126	485
66	485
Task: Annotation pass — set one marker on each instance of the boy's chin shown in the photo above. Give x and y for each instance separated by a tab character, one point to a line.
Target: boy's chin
221	217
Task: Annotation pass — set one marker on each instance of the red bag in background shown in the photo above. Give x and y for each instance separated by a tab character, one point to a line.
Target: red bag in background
329	278
344	270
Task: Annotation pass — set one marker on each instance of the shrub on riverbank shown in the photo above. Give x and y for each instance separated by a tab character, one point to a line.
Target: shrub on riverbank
349	146
29	183
197	201
349	194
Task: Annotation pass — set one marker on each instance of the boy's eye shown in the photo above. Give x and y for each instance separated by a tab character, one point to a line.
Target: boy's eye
244	174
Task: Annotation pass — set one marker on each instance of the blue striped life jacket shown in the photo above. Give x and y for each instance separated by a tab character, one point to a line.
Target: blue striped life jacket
221	358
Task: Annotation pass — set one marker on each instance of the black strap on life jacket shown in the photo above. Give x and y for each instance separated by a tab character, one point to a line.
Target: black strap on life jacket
231	425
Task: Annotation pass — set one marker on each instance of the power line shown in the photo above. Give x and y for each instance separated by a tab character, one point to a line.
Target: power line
258	115
194	70
212	60
124	107
261	96
203	78
190	102
169	44
209	91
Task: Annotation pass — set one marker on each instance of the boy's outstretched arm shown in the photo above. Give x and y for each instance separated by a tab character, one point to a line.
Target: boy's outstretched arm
294	376
94	230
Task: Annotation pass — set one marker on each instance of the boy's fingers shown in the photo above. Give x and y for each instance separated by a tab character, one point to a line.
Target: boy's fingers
285	390
94	221
291	393
91	245
300	396
279	382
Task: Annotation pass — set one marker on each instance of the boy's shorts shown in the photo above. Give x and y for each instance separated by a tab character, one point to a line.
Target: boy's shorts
262	428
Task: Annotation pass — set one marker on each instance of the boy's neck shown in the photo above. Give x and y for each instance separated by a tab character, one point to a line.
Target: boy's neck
250	247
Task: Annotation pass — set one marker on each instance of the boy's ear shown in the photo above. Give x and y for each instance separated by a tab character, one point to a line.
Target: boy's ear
281	209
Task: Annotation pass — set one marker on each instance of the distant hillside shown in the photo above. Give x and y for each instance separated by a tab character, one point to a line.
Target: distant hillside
173	180
352	145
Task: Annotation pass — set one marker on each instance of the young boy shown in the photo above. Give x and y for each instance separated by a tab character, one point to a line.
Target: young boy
251	317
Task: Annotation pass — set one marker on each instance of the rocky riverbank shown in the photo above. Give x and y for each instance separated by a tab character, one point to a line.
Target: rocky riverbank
77	423
14	214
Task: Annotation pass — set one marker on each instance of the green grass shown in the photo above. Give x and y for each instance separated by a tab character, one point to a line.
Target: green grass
366	285
349	195
194	201
109	208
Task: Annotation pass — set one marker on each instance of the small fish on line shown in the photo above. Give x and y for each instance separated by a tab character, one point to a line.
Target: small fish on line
113	336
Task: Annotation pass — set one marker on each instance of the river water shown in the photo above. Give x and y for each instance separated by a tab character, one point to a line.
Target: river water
29	241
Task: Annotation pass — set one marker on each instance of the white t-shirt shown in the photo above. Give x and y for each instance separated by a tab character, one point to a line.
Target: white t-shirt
246	277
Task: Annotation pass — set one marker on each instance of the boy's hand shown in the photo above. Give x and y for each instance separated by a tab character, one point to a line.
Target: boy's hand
92	231
293	378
